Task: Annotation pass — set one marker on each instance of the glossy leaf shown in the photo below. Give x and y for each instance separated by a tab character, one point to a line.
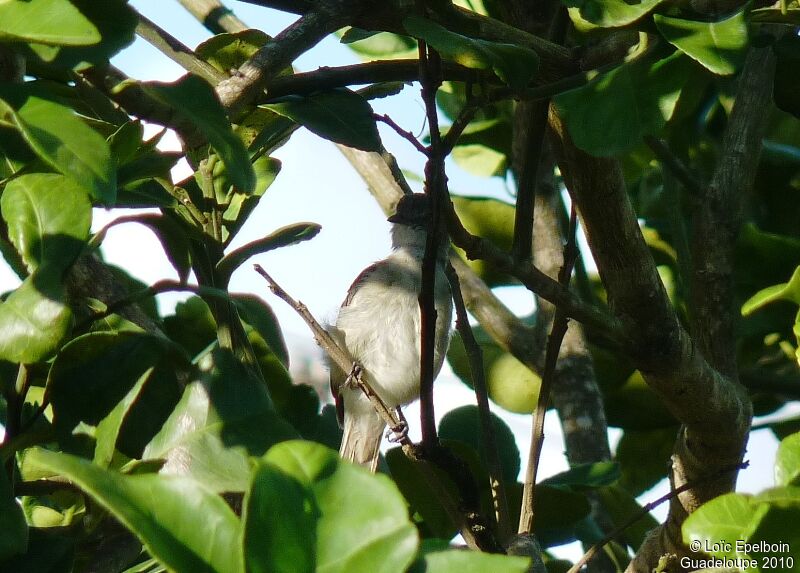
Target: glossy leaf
114	20
643	457
60	139
619	505
786	291
280	520
455	561
726	518
515	65
718	46
480	160
228	51
363	524
195	100
241	205
162	511
48	218
379	45
14	537
608	13
34	320
341	116
463	424
258	314
221	420
55	22
611	114
103	366
586	476
491	219
787	461
283	237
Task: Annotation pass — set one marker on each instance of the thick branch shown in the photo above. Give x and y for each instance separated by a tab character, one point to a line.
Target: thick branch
717	220
252	76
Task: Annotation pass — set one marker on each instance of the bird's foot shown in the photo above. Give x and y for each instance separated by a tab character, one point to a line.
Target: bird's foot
354	375
399	432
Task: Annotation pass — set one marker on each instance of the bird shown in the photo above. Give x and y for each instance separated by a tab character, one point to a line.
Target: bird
379	325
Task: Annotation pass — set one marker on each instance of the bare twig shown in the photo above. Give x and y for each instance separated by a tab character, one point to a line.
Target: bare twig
488	442
337	353
559	329
407	135
647	508
674	164
214	15
472	535
171	47
436	190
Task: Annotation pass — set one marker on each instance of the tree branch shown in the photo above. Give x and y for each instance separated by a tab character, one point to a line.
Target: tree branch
214	15
250	79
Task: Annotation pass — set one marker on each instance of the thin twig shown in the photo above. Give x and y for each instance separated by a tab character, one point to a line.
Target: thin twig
407	135
674	164
171	47
488	441
459	125
644	510
473	537
435	189
337	353
557	332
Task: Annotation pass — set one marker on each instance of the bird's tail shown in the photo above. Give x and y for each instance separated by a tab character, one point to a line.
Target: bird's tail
362	438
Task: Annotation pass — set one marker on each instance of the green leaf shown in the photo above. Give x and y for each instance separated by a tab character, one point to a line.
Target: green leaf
363	524
480	160
643	456
379	45
258	314
55	22
34	320
222	419
785	291
463	424
493	220
787	461
455	561
280	519
116	23
611	114
60	139
786	83
607	13
283	237
109	427
241	205
726	518
423	501
14	539
586	476
340	115
183	525
195	100
103	366
619	505
228	51
634	405
515	65
48	218
718	46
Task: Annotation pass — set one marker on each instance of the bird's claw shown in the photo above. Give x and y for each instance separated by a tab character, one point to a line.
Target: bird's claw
399	432
354	375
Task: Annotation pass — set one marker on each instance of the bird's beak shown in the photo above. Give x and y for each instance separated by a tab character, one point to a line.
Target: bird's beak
394	218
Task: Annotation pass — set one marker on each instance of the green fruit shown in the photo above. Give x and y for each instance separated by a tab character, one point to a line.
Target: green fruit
513	386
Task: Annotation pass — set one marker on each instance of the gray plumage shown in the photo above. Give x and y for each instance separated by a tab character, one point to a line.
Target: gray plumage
379	324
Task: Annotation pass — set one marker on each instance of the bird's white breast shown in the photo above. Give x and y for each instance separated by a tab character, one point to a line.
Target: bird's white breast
381	326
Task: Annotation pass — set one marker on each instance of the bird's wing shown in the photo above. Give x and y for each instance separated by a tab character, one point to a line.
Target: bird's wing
362	276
